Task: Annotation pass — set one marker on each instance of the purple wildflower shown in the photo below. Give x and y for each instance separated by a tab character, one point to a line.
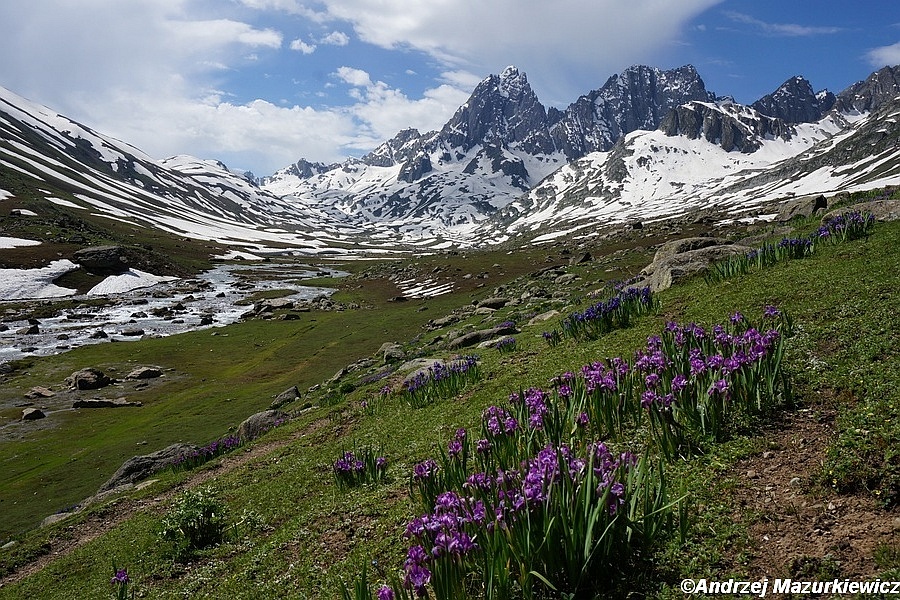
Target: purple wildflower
120	578
385	593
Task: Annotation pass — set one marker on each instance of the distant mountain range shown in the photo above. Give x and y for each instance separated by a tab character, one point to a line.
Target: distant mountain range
647	144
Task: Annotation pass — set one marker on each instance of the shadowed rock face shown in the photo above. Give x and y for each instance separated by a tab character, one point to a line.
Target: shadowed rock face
795	102
141	467
102	260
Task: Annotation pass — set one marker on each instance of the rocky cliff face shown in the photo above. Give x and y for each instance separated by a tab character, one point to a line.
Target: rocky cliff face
878	89
731	126
503	110
637	98
795	102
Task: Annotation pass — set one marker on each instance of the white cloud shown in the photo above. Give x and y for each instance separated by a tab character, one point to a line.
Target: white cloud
781	29
355	77
552	41
303	47
159	73
884	56
336	38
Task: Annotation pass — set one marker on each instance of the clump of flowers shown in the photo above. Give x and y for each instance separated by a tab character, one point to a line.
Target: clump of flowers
553	338
559	520
506	345
616	312
356	467
838	229
211	450
120	582
441	380
536	505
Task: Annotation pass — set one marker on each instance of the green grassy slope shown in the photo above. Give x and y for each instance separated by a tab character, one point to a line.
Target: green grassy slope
309	536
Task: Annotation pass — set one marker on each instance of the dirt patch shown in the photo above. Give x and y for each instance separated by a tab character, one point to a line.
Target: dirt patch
803	528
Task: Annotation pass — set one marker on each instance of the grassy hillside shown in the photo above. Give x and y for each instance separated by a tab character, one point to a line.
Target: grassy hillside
810	489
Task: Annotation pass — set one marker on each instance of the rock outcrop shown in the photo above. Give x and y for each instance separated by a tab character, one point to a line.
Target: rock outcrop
88	379
802	207
102	260
679	259
138	468
256	425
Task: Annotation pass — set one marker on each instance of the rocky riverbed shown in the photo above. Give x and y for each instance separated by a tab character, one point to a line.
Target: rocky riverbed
216	298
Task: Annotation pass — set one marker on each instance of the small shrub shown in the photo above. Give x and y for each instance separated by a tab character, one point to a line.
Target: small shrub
196	521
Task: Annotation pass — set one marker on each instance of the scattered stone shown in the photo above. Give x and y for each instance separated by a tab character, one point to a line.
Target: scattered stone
32	414
145	373
493	303
751	474
30	330
99	335
391	352
795	482
564	279
256	425
476	337
546	316
55	518
285	397
680	259
582	258
39	392
443	321
88	379
206	320
139	468
132	332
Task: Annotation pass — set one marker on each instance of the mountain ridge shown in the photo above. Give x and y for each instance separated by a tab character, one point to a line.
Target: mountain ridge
495	169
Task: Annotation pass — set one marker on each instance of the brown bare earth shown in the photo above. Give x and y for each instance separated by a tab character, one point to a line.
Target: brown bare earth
804	529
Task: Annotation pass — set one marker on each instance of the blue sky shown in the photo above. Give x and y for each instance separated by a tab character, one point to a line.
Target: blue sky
259	84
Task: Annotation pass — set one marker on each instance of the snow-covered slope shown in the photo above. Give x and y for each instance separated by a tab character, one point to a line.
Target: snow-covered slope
650	175
497	146
182	195
502	166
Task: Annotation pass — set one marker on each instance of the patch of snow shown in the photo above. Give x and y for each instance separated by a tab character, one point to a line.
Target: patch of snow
236	255
4	194
11	242
20	284
66	203
133	279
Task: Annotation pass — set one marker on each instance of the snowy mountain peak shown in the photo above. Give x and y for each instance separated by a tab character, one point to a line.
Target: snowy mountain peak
881	87
795	102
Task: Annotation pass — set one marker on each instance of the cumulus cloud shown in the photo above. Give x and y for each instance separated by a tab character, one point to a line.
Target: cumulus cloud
303	47
156	73
884	56
355	77
551	40
336	38
380	110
